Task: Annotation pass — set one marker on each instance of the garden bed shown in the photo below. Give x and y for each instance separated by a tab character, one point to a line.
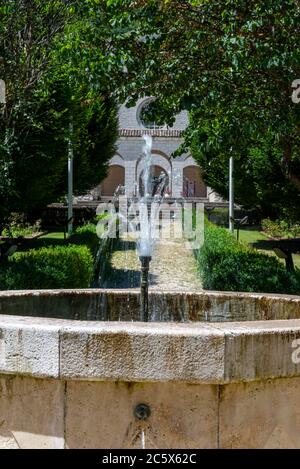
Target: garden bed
18	239
52	263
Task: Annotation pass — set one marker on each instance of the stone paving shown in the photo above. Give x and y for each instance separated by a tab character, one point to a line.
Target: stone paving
173	267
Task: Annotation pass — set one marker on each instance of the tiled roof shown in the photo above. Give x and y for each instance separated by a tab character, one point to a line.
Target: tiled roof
152	132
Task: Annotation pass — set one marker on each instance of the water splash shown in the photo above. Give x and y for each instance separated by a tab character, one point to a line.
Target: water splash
145	242
143	444
147	166
137	218
149	202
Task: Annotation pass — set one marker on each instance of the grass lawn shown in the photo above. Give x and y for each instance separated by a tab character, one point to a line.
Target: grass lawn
54	238
54	235
247	234
251	235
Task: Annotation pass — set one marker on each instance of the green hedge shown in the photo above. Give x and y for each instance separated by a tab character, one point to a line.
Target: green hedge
227	265
53	267
86	236
101	249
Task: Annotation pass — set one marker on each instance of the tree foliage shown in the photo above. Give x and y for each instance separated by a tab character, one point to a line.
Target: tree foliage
41	44
231	64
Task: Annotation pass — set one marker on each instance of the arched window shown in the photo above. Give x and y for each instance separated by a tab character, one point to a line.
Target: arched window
160	182
143	119
114	179
193	184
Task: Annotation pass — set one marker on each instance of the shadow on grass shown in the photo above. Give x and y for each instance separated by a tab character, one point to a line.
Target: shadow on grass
43	243
122	278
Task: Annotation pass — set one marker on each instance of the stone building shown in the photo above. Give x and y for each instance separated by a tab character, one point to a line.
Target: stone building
182	173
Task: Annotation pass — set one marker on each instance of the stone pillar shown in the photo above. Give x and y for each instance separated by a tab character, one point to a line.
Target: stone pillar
130	167
177	178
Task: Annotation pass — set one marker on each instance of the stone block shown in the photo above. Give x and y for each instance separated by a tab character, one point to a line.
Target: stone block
139	352
100	415
31	413
257	350
260	415
29	346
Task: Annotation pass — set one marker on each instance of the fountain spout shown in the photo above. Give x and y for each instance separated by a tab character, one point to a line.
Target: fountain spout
145	264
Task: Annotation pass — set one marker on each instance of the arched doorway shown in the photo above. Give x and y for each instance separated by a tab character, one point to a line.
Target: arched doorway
160	181
193	184
115	178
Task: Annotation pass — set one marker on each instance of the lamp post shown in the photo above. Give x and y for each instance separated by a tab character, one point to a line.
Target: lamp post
2	92
70	179
231	194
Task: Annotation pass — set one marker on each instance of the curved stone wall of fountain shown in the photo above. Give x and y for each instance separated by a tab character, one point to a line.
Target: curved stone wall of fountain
124	305
219	370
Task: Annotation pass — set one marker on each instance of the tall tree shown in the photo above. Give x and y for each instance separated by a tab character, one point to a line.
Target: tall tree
231	64
41	41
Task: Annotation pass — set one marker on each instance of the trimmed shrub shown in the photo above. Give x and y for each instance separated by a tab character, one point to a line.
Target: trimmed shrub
101	249
227	265
86	236
52	267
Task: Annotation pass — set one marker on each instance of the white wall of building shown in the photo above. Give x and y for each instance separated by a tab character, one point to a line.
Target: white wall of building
128	117
166	141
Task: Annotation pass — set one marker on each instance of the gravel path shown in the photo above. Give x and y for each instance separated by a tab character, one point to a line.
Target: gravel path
174	267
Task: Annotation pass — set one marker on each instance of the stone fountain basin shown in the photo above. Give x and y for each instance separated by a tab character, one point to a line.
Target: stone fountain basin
215	381
116	305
